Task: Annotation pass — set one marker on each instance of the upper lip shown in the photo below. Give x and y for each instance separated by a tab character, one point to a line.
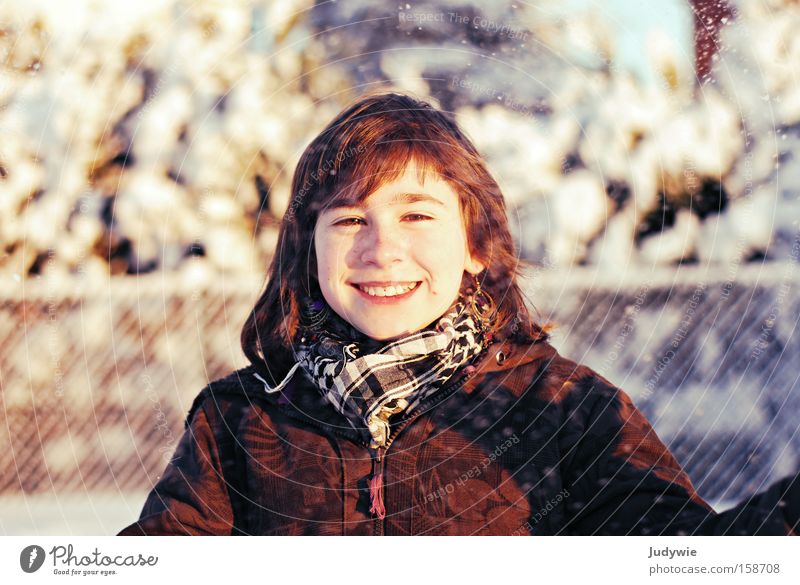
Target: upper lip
385	282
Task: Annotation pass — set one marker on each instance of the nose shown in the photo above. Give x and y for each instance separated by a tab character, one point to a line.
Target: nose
382	245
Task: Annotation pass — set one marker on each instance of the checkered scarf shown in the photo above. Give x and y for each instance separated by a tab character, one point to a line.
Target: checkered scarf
368	380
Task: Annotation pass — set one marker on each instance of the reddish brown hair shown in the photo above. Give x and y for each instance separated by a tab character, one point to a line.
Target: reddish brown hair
369	143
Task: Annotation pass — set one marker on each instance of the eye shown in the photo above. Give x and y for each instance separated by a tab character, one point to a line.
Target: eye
417	217
348	221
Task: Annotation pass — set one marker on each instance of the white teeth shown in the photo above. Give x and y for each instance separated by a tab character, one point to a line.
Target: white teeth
387	291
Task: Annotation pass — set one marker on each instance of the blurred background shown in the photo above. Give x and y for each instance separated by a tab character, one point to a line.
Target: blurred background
648	152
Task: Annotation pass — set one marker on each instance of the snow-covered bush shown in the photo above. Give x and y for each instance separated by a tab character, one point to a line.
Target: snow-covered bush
162	134
140	136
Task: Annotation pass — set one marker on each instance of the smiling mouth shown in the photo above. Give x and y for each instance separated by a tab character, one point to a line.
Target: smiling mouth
390	290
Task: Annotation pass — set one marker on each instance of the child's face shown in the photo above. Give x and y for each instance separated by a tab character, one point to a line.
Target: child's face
403	234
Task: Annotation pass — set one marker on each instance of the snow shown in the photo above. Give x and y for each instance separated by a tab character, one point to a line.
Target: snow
74	514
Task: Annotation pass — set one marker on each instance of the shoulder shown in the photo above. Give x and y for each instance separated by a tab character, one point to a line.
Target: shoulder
578	389
229	395
587	412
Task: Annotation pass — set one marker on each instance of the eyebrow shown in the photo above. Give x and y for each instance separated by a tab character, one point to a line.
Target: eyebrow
401	199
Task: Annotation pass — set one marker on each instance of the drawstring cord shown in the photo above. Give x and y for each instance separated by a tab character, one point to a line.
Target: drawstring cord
283	383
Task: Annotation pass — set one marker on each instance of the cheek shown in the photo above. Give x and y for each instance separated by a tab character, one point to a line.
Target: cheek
442	255
321	258
329	255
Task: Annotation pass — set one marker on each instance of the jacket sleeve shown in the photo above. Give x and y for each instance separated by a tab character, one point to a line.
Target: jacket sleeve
623	480
191	498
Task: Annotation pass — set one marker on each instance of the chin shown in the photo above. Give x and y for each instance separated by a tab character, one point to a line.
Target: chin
385	334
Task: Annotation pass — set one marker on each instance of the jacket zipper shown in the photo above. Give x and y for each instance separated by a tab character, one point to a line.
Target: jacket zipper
375	482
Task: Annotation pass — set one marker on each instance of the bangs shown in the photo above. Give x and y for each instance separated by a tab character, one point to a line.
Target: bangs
361	175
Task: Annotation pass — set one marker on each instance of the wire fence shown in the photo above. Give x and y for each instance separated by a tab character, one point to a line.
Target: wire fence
96	381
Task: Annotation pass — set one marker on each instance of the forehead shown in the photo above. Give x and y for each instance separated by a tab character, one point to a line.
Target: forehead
410	186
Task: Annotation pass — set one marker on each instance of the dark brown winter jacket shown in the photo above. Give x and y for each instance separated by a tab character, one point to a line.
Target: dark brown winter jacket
526	442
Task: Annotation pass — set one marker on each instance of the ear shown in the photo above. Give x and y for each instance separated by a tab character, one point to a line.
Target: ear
473	265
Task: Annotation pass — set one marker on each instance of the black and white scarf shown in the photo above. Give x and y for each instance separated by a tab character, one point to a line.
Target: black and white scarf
368	380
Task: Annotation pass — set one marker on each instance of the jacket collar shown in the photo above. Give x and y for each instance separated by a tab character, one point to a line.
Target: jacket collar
507	355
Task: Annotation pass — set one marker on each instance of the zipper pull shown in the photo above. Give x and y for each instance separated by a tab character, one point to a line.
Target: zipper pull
375	484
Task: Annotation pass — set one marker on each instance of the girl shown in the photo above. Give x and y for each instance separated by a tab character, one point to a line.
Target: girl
398	384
